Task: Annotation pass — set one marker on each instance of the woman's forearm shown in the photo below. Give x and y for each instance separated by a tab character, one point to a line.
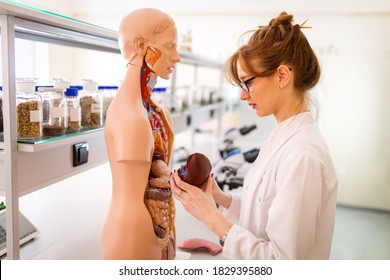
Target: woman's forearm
224	199
218	224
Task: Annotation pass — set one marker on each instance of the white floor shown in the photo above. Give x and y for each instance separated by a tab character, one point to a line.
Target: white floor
361	234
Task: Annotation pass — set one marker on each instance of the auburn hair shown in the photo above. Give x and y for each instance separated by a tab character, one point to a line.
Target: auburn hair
279	42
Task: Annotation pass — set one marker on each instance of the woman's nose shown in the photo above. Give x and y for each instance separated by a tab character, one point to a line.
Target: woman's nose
244	95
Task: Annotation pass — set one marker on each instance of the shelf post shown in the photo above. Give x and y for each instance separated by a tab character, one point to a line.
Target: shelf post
10	136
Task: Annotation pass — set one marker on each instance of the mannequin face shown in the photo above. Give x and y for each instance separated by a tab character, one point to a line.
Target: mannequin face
162	54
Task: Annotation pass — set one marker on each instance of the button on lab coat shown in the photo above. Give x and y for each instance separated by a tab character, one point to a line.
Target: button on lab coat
286	209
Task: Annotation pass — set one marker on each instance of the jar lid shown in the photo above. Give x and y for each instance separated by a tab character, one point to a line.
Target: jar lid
159	89
71	92
89	84
25	86
61	83
107	87
50	89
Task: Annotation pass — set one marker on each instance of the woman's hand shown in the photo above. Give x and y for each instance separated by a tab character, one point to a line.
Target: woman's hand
200	203
222	198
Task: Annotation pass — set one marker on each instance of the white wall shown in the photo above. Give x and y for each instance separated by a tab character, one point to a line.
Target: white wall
352	39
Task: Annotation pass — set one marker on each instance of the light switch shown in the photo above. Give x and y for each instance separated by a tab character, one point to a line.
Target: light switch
80	153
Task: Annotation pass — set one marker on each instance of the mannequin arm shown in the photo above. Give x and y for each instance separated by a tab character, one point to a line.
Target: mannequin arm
130	139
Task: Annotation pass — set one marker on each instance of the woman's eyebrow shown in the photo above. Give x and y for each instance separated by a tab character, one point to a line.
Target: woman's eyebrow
243	78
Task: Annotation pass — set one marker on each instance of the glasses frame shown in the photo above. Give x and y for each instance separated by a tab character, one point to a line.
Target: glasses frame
244	85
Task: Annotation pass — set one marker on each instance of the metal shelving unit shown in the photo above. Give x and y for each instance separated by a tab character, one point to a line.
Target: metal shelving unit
18	158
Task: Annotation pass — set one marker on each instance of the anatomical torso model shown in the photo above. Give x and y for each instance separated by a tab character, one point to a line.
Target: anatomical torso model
140	220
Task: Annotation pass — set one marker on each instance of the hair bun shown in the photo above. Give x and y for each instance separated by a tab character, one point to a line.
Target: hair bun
283	19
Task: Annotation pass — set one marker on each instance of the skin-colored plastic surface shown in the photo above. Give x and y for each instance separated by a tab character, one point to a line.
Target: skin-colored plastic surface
135	140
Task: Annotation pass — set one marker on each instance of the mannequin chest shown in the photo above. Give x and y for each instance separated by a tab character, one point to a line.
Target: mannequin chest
161	133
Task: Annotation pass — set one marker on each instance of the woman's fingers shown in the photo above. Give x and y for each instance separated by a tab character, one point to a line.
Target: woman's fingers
180	183
178	186
174	187
209	184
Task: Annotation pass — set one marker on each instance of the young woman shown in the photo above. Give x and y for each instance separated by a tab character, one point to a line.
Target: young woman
287	206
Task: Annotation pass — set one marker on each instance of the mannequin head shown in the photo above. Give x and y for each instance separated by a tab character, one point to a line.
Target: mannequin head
149	34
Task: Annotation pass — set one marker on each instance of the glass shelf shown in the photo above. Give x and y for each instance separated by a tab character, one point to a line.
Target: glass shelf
16	3
47	139
50	140
47	142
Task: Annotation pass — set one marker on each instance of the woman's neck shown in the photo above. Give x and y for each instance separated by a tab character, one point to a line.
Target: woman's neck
291	109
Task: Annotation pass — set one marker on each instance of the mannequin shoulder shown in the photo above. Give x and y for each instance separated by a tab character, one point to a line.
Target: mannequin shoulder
126	110
127	122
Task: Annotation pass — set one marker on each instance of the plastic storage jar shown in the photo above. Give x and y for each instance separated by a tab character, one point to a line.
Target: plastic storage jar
108	94
158	95
74	109
91	104
29	110
54	110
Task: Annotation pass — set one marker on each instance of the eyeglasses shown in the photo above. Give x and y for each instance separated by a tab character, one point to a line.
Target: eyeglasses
245	84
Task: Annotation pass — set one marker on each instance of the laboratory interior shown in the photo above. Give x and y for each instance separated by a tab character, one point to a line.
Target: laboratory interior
60	181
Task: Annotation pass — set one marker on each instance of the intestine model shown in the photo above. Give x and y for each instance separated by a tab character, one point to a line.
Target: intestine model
196	170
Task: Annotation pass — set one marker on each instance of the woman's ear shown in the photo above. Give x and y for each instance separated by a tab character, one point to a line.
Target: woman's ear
284	75
140	46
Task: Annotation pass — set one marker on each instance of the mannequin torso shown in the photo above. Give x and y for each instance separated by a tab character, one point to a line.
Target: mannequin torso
138	132
139	136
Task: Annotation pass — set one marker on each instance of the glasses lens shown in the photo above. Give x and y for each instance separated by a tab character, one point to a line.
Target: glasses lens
244	85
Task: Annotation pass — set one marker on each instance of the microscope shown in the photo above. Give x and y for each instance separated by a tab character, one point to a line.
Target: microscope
233	158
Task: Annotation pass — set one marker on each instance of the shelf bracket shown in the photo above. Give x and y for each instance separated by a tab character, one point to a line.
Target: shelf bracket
10	137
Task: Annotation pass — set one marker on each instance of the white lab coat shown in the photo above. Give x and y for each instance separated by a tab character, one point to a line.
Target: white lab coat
287	206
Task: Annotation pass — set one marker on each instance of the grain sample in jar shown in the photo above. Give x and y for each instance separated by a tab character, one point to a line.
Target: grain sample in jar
74	109
91	104
28	110
55	111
